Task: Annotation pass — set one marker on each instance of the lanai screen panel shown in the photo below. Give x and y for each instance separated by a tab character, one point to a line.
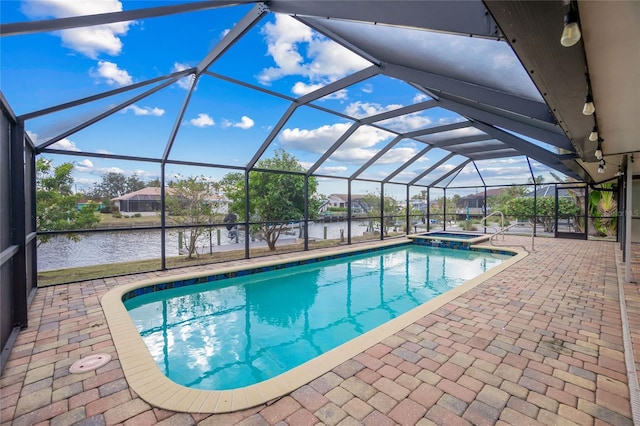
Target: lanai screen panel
225	123
307	135
140	129
372	96
505	171
428	119
421	164
544	174
394	158
357	149
289	57
484	62
468	177
439	173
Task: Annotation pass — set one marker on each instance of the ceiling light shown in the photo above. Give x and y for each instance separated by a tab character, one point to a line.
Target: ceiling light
601	166
594	134
589	107
619	172
598	152
571	32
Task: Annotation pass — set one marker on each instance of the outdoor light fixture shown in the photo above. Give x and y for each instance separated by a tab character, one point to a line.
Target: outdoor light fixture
594	134
619	172
601	166
589	108
598	152
571	32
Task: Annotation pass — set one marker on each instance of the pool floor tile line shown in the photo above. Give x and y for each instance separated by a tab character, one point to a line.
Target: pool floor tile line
538	343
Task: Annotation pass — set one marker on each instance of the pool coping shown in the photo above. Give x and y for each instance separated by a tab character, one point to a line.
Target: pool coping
147	380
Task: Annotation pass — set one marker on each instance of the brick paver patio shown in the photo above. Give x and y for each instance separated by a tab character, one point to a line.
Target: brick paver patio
539	343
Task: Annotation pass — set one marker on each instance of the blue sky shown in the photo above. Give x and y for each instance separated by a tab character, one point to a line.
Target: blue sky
224	123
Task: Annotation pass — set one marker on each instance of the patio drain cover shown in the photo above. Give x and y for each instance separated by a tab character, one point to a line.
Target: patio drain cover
90	363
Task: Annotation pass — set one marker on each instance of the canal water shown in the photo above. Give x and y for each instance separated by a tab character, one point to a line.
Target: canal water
112	247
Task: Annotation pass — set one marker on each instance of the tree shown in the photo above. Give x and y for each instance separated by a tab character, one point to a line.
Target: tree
275	198
522	208
497	202
115	184
56	205
391	210
190	202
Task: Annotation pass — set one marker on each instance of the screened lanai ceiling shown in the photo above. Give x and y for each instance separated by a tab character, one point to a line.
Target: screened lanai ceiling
425	93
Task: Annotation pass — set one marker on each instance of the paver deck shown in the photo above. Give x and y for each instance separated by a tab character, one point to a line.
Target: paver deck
538	343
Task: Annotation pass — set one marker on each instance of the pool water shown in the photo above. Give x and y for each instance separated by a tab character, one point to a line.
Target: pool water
240	331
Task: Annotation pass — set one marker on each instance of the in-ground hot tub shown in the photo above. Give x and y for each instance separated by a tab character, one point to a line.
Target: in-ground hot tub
447	239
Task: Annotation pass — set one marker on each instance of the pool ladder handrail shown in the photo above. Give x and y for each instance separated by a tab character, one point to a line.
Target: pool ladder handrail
504	229
494	214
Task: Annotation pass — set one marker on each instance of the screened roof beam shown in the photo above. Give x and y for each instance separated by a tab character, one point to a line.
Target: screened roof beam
407	164
480	95
439	129
322	29
408	135
246	23
333	148
552	135
467	18
105	114
376	157
457	169
410	109
176	124
30	27
480	175
338	85
102	95
431	169
272	135
469	152
521	145
459	141
504	153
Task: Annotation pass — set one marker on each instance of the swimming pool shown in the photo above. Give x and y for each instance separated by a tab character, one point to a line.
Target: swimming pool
247	322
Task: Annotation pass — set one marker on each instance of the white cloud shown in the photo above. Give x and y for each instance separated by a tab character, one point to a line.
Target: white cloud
301	88
367	88
358	147
86	163
287	42
224	32
184	82
332	170
245	123
144	110
65	144
203	120
419	97
113	75
104	151
90	41
366	109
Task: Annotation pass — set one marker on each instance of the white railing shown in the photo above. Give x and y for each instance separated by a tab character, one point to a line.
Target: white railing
503	229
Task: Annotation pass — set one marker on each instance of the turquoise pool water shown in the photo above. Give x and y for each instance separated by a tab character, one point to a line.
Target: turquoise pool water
240	331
